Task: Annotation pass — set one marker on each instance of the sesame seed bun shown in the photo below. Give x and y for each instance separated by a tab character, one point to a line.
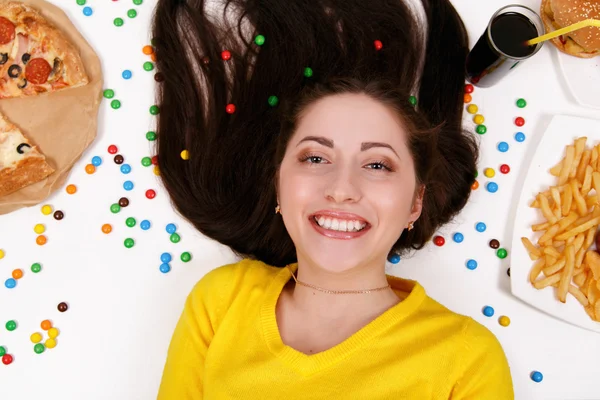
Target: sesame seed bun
557	14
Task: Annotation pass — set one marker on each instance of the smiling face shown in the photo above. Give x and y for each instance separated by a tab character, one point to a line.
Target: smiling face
347	185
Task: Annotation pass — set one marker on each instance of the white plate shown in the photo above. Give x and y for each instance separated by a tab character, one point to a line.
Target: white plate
582	77
561	132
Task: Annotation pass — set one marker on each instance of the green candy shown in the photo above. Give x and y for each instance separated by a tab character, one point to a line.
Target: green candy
476	174
115	208
273	101
131	13
259	40
521	103
138	2
412	100
148	66
36	267
308	72
109	93
154	110
175	238
11	325
2	351
481	129
129	243
80	2
151	136
116	104
118	22
501	253
146	161
39	348
185	256
130	222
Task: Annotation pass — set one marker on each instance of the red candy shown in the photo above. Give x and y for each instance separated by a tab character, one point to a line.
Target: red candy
378	45
469	88
155	160
226	55
505	169
519	121
112	149
150	194
439	241
7	359
230	108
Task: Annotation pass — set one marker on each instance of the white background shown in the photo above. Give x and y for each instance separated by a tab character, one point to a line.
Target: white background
115	335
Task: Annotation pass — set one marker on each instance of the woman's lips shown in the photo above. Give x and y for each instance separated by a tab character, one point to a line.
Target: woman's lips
338	234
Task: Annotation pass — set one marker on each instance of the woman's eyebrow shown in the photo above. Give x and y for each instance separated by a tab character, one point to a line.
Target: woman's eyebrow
329	143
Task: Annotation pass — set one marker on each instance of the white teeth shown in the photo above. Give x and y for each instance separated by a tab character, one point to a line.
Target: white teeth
341	225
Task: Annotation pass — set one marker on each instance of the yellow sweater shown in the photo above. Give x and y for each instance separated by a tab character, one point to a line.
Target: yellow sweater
227	346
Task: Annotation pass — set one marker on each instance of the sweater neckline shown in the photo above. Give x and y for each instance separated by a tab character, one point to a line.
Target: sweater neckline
310	364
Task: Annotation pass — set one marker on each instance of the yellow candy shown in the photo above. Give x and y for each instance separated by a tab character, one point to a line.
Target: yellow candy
46	210
185	155
472	109
50	343
36	337
489	172
504	320
478	119
156	170
52	333
1	254
39	229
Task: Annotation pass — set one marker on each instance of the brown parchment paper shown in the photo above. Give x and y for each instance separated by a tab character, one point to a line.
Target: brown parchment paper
62	124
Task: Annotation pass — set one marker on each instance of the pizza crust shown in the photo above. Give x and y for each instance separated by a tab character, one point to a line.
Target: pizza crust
27	171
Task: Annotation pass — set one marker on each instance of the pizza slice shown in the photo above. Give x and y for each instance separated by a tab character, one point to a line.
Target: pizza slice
21	163
35	57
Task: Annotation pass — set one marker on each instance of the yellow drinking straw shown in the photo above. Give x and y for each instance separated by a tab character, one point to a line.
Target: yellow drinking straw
566	29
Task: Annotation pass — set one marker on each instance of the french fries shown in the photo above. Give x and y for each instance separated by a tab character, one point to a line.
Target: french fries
563	257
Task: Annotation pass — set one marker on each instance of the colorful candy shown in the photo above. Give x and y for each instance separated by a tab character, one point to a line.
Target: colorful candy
472	109
7	359
488	311
118	22
504	320
230	108
112	149
164	268
71	189
106	228
489	172
130	222
505	169
39	229
47	209
481	129
36	267
131	13
480	227
458	237
439	241
62	306
467	98
392	258
145	225
129	243
126	74
58	215
154	110
115	208
503	147
519	121
17	273
520	137
41	240
150	194
501	253
118	159
479	119
175	238
521	103
475	185
125	169
537	376
11	325
469	88
494	244
151	136
36	337
46	324
165	257
185	155
10	283
171	228
186	257
471	264
123	202
492	187
87	11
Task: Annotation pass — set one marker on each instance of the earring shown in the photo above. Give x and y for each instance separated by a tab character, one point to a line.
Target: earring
277	209
410	226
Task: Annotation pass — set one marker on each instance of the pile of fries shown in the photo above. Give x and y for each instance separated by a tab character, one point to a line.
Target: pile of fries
571	210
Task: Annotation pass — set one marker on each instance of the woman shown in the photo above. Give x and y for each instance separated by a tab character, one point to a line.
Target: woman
309	156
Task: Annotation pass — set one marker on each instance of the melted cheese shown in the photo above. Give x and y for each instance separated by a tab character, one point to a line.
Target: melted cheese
9	141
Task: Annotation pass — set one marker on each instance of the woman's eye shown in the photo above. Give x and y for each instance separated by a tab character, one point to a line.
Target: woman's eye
379	166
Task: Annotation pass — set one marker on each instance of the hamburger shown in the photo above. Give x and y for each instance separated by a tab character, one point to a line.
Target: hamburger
557	14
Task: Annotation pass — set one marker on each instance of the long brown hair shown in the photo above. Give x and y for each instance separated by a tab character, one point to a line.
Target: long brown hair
311	49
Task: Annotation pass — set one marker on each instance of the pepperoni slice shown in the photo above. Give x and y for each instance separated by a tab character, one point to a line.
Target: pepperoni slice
7	30
37	71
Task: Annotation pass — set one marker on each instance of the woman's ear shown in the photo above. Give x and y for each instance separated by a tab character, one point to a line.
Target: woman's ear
417	206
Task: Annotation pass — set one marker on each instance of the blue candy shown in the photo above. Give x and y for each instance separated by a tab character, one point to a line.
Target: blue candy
520	137
164	268
126	74
492	187
128	185
503	147
165	258
145	224
537	376
458	237
87	11
96	161
394	258
171	228
471	264
10	283
488	311
125	168
480	227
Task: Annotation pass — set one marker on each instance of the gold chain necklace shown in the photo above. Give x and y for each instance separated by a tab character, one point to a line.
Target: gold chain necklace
337	291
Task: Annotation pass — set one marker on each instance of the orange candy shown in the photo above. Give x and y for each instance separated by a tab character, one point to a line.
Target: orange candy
147	50
468	98
475	185
153	57
106	228
90	169
17	274
46	324
71	189
41	240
